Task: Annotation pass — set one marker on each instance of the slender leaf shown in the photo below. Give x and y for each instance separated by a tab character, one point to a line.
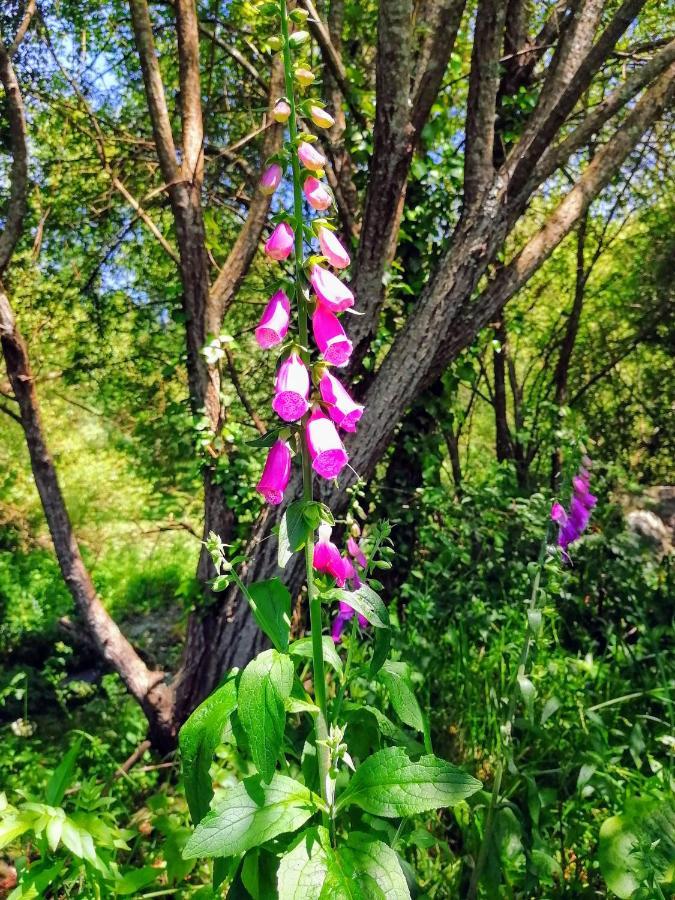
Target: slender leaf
250	814
271	606
265	684
198	739
390	784
61	777
395	676
299	521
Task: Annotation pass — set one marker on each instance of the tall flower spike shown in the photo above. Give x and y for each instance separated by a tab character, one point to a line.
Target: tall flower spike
333	293
273	325
292	389
316	194
332	249
271	179
342	409
276	473
330	337
310	157
280	244
326	450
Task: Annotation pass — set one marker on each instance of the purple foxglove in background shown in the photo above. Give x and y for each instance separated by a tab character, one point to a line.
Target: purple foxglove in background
316	194
332	293
343	410
310	157
332	249
271	179
326	450
276	473
273	325
280	244
572	524
292	389
344	615
330	337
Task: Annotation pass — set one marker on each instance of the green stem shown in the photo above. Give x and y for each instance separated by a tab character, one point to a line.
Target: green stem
319	677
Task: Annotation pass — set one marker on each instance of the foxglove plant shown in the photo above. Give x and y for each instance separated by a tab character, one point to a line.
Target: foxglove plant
306	823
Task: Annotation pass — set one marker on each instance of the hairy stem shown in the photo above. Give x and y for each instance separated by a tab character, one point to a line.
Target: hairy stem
319	677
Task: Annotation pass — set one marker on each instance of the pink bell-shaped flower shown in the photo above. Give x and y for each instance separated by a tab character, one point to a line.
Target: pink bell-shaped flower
280	244
356	552
271	179
273	325
316	194
276	473
343	410
292	389
333	293
310	157
326	450
330	337
332	249
327	557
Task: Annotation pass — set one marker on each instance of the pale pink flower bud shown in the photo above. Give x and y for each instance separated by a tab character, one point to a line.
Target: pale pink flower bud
304	77
280	244
332	293
281	111
356	552
327	557
326	450
332	249
330	337
343	410
320	117
273	325
316	194
292	389
276	473
310	157
271	179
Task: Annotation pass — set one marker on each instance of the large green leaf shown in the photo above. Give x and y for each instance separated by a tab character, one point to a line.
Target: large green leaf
395	676
389	784
303	647
297	523
249	814
360	869
638	846
271	606
365	601
265	683
60	779
198	739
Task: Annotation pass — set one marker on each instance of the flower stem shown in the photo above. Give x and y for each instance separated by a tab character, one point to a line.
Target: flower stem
319	677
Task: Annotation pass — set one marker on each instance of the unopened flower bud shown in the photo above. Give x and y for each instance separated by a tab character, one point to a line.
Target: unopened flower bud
281	111
274	43
271	179
320	117
299	16
304	77
298	38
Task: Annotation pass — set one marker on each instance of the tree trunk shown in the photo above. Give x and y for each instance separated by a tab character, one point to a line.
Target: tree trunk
502	432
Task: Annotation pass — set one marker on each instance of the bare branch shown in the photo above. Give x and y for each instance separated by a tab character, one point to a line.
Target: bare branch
17	205
24	25
190	91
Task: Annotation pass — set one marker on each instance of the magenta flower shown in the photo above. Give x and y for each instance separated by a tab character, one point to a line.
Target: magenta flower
342	410
310	157
316	194
356	552
332	249
330	337
271	179
292	389
276	473
280	244
333	293
327	557
572	524
326	450
344	615
273	325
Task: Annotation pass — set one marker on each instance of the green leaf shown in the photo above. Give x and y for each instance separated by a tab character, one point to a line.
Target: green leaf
298	522
381	647
639	845
395	676
14	825
61	777
303	647
389	784
271	606
249	814
136	879
365	601
360	869
198	739
265	683
265	440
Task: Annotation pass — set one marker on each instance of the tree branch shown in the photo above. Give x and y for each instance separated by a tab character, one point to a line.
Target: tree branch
17	205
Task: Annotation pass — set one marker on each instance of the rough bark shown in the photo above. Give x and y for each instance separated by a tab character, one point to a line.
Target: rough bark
502	432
